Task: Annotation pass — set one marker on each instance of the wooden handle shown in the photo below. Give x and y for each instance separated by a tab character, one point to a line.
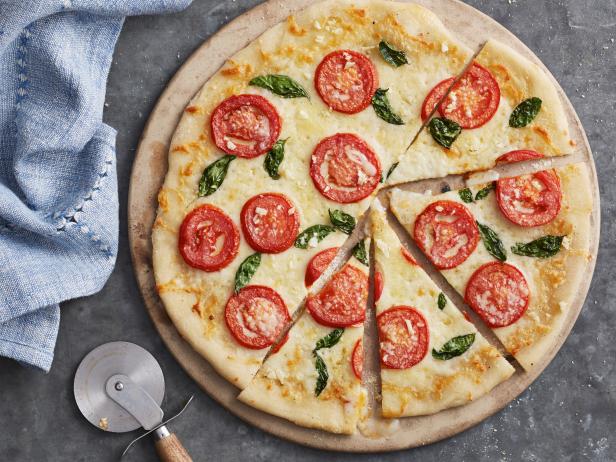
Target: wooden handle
170	449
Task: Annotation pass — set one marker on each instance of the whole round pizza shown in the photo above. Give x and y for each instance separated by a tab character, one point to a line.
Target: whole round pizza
282	154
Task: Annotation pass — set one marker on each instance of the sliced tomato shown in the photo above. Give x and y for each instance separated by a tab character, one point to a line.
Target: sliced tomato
344	168
318	264
245	125
209	240
447	233
407	256
529	200
378	285
256	315
404	337
474	99
346	81
276	348
270	222
342	302
433	98
498	292
357	359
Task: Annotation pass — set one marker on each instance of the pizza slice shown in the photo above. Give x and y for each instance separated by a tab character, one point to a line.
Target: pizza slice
515	249
501	103
314	378
276	158
431	357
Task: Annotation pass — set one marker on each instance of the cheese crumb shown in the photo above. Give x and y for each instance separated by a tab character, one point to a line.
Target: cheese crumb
231	145
261	211
444	47
313	242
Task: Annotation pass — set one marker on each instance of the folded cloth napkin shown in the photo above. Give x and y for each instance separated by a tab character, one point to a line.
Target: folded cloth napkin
58	189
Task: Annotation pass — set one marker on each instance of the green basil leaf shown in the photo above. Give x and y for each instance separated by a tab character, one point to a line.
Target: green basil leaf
454	347
213	175
246	271
274	158
466	195
281	85
484	192
492	242
392	56
342	221
444	131
391	169
329	340
322	377
442	301
544	247
383	109
319	232
359	252
525	112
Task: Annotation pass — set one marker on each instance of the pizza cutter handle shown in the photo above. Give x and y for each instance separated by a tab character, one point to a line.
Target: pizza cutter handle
169	447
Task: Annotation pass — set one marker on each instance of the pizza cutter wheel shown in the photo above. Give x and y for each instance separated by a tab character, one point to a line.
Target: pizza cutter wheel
119	387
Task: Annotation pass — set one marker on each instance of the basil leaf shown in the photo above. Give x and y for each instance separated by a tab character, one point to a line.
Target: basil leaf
323	376
383	109
454	347
342	221
281	85
391	169
274	158
246	271
544	247
213	175
319	232
466	195
525	112
442	301
444	131
359	252
492	242
392	56
329	340
484	192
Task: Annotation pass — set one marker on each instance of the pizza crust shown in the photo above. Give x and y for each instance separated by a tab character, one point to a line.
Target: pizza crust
431	385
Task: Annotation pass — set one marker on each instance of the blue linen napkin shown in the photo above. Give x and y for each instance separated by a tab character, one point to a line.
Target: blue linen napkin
58	189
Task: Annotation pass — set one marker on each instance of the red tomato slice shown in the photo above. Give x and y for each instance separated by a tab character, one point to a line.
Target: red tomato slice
473	100
529	200
447	233
318	264
344	168
404	337
378	285
435	95
270	222
245	125
407	256
498	292
255	316
346	81
276	348
357	359
342	302
209	240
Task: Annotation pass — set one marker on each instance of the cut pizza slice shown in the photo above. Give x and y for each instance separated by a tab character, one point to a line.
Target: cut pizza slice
314	377
276	158
432	358
515	249
502	102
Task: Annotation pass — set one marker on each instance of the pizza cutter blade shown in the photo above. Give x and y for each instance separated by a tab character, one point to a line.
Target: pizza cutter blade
119	387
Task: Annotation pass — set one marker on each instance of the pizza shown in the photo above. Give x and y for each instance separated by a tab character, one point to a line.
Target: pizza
432	358
515	249
279	156
313	378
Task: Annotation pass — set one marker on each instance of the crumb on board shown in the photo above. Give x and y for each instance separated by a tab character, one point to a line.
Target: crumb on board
103	423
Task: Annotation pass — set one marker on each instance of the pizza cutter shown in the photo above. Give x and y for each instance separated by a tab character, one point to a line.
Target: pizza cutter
119	387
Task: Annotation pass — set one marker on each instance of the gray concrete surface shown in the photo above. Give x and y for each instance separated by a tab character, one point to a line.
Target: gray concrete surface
568	414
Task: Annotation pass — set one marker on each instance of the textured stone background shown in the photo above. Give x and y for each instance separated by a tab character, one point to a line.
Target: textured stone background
568	414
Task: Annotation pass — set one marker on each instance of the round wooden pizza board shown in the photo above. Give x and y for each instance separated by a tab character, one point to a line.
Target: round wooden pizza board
150	167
